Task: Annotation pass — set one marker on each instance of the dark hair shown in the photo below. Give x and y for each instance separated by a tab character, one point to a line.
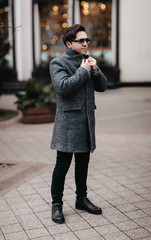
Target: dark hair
70	32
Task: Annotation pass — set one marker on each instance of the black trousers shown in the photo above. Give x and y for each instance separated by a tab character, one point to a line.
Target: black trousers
59	174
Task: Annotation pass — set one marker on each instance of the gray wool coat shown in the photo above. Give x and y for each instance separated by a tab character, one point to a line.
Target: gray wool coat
74	127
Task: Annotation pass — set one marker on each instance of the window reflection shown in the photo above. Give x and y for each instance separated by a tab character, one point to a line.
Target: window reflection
53	16
96	16
4	33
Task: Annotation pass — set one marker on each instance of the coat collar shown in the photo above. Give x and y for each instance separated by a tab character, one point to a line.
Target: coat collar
73	54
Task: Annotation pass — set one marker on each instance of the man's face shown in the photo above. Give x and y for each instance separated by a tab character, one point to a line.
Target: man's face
79	47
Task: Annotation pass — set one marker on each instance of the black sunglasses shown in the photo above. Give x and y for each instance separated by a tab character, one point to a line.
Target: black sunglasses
82	40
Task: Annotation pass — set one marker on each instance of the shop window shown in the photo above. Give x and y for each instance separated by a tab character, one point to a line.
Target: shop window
4	35
96	17
53	20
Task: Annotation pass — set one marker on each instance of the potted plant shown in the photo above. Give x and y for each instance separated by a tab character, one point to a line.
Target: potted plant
37	102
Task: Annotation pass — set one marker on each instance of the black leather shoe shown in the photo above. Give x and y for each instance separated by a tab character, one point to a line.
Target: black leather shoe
57	215
85	204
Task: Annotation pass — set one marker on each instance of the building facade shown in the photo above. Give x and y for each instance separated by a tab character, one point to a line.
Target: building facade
119	32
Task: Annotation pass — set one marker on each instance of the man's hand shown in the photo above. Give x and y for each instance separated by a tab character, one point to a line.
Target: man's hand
85	64
92	63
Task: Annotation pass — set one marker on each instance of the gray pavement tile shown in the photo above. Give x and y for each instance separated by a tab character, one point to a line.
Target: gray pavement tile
16	236
143	204
107	194
78	225
44	238
11	228
106	230
58	229
146	221
135	214
27	191
117	236
119	201
94	220
134	198
29	221
20	211
147	196
36	202
110	211
138	233
117	218
148	228
147	211
8	221
126	207
65	236
15	200
3	205
2	237
87	234
41	208
36	233
128	225
71	218
12	194
6	214
32	197
146	238
44	215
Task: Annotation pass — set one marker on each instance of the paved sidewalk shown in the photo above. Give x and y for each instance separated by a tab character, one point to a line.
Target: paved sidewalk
119	175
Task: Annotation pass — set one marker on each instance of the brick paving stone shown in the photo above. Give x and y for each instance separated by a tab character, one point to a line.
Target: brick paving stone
2	237
94	220
16	236
4	205
117	218
143	204
148	228
107	229
87	234
65	236
77	225
137	233
146	238
110	211
147	196
8	221
12	194
36	233
135	214
58	229
116	236
143	222
6	214
29	221
44	238
126	207
128	225
41	208
11	228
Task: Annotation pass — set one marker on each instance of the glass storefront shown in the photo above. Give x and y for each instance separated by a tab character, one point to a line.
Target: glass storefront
95	16
4	35
53	18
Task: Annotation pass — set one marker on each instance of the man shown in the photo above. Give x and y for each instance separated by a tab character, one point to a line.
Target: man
75	76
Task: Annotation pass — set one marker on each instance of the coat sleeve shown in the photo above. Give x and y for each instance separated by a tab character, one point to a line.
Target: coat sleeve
64	84
99	80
